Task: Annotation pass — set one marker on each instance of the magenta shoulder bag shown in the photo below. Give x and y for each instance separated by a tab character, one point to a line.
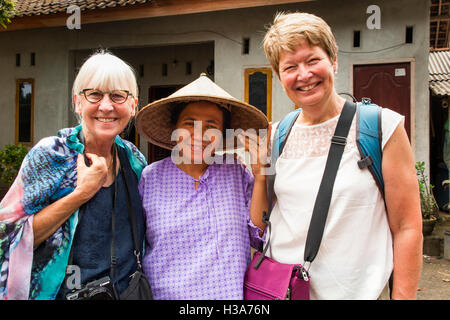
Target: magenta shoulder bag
267	279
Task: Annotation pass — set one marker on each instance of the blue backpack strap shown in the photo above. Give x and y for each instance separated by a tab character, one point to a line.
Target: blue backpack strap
283	129
368	121
279	140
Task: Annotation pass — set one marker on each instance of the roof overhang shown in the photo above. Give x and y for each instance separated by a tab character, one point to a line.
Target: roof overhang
139	11
439	71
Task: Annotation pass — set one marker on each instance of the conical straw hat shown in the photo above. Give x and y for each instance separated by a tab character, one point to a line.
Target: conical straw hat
153	122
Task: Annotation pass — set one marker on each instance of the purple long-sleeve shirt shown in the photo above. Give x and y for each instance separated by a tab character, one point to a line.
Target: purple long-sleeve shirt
198	241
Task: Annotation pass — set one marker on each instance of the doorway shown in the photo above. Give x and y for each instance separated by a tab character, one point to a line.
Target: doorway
387	85
156	153
439	148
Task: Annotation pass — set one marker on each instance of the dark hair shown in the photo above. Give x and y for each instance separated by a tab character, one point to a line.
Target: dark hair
179	107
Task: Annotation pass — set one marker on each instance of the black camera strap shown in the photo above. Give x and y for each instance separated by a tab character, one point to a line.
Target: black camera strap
131	214
112	269
132	219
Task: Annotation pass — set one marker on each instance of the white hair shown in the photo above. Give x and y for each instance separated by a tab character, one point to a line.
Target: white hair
105	71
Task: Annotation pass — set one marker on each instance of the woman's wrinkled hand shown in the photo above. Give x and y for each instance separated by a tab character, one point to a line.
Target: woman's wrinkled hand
258	147
90	179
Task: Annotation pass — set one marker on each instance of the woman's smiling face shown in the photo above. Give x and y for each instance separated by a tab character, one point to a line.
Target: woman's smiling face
203	124
307	75
104	119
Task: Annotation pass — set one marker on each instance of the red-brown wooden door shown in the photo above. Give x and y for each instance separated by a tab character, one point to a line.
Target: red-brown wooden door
387	85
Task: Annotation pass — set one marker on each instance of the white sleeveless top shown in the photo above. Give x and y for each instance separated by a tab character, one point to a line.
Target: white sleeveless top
355	258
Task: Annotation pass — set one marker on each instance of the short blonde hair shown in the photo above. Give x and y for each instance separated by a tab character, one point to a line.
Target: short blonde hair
288	29
105	71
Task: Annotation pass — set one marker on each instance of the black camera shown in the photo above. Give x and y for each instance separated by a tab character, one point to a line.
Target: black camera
96	290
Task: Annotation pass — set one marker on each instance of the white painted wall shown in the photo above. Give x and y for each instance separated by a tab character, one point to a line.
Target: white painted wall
55	49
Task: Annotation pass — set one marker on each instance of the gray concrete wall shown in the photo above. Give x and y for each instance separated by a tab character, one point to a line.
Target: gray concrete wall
55	62
152	58
49	73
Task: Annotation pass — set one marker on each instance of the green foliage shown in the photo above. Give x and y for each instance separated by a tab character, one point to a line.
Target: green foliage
427	201
10	161
6	11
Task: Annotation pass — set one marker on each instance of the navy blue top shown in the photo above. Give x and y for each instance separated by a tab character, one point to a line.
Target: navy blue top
92	240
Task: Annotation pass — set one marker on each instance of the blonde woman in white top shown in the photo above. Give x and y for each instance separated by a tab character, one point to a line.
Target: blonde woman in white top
364	240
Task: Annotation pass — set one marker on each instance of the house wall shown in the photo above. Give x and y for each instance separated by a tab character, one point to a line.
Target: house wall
50	74
56	49
152	58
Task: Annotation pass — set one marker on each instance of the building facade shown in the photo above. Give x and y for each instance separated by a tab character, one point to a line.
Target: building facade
383	54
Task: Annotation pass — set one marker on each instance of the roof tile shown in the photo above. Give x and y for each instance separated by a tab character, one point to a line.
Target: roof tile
38	7
439	70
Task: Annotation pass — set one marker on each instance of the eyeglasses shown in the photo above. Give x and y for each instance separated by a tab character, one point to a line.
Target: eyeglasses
94	95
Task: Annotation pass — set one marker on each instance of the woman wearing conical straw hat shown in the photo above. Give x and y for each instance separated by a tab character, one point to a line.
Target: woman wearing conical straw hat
197	205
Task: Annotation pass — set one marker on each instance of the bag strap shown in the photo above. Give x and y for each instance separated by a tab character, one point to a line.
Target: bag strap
281	134
369	140
112	269
131	213
283	130
323	199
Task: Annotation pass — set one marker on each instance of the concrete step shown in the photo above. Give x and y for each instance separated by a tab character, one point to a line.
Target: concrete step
433	245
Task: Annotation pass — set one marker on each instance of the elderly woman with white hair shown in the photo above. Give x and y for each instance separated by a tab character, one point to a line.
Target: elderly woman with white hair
71	200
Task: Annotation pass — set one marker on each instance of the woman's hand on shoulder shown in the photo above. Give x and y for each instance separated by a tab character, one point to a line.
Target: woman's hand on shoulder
90	179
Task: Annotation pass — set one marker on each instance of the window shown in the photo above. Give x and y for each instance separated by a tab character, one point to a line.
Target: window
188	68
258	89
24	111
409	35
356	39
245	45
